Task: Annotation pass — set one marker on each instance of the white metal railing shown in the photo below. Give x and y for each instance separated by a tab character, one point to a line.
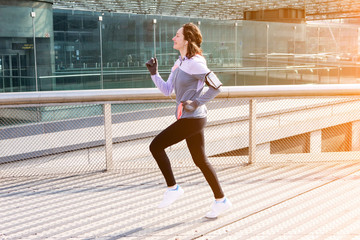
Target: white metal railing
107	97
154	94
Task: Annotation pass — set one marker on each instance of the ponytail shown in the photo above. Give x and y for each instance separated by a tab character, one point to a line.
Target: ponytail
192	50
193	35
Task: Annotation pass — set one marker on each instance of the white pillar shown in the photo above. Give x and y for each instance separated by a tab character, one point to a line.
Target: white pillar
108	137
252	131
355	136
315	142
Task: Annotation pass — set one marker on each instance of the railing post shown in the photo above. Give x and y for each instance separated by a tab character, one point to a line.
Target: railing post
252	131
108	136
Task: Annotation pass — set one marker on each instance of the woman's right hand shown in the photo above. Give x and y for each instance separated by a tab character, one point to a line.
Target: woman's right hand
152	66
190	105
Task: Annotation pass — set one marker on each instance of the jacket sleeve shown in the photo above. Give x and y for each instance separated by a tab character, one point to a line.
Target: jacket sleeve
210	93
166	87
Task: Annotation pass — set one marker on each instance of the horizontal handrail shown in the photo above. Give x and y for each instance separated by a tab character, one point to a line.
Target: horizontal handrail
72	75
96	71
155	94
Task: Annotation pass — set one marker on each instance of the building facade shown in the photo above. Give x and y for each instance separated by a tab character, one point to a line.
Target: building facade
46	49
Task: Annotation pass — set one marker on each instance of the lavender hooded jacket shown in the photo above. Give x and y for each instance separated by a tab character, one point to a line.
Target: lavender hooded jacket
187	78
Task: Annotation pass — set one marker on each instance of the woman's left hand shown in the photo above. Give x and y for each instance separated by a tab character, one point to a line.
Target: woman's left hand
190	105
152	66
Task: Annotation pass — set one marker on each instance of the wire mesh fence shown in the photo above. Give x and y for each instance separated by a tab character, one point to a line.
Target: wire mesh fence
47	139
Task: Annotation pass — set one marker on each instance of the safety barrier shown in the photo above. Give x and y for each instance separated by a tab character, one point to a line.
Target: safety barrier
85	131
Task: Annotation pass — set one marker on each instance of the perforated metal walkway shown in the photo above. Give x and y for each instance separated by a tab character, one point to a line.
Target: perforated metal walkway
310	201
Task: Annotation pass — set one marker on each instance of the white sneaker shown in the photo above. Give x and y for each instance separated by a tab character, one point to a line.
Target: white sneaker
218	208
170	196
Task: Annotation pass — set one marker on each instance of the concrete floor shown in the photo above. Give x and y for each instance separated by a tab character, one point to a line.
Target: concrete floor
277	201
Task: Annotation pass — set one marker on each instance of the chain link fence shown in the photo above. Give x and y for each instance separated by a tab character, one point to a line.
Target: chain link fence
69	138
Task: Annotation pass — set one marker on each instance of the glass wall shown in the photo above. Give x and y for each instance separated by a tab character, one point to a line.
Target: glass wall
93	50
240	52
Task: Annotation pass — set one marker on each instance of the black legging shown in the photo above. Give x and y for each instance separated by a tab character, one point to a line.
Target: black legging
193	131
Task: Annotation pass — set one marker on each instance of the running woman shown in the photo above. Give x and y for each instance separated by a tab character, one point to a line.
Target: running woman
188	77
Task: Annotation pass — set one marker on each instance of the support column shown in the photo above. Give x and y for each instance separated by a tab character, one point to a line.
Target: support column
252	131
154	35
108	137
315	142
101	54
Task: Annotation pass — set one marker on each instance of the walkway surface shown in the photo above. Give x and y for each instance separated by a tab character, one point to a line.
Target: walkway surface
303	201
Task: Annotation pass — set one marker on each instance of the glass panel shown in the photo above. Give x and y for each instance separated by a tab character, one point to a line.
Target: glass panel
15	73
77	50
250	53
7	74
1	75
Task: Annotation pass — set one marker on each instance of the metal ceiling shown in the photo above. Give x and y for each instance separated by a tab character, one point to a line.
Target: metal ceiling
226	9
